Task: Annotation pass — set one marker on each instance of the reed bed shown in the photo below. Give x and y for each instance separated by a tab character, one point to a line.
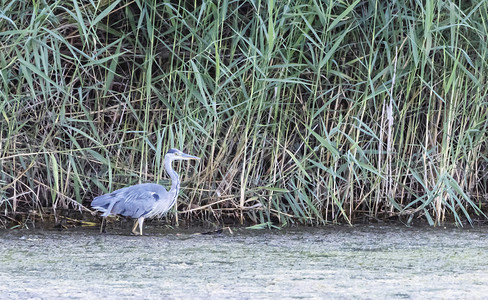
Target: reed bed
304	112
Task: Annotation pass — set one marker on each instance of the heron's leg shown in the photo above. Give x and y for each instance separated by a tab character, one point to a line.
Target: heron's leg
141	221
102	227
135	226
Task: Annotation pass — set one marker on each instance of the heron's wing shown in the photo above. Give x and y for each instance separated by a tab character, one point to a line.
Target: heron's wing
135	201
105	203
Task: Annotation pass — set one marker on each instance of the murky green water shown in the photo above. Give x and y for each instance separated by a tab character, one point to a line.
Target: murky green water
334	262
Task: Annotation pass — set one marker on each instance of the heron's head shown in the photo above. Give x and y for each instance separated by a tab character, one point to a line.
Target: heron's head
175	154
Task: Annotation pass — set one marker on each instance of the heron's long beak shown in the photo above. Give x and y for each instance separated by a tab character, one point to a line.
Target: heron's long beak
188	156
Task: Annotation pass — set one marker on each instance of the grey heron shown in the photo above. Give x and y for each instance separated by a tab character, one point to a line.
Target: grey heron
146	200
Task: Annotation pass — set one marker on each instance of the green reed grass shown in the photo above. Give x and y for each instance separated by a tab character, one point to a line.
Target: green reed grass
306	112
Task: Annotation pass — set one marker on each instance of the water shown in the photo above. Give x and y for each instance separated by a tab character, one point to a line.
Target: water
334	262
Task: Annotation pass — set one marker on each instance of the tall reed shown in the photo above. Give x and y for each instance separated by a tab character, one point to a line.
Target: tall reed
306	112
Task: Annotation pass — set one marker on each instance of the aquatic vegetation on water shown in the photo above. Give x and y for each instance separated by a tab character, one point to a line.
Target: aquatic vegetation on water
362	262
302	112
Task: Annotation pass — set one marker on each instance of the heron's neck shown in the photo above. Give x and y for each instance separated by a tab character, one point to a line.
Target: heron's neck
175	179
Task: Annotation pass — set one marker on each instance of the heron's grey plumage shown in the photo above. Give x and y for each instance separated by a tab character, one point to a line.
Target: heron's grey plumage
146	200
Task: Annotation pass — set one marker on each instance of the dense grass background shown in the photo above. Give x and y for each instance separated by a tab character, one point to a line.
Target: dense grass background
302	111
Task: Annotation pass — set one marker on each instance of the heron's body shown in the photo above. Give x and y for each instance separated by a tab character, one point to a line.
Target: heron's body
135	201
146	200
